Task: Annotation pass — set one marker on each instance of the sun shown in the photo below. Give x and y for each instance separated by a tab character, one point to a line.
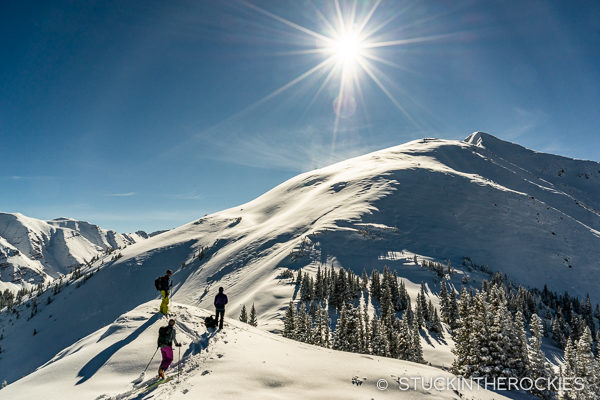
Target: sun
347	48
349	40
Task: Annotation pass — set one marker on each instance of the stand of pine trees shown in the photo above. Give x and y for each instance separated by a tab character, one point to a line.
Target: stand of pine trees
489	325
393	332
491	341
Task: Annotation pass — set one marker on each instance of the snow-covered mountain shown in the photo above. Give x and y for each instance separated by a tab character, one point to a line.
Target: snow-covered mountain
534	216
33	251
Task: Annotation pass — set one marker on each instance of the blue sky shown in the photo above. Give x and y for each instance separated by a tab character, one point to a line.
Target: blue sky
147	115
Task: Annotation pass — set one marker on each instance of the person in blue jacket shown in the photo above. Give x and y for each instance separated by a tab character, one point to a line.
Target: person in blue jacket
220	302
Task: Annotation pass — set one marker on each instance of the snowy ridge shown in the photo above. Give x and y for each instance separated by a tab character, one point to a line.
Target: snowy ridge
33	251
239	362
432	198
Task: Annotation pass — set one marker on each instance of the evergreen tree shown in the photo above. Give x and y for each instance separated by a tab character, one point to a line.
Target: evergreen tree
326	331
299	278
379	338
417	350
436	323
339	333
302	330
319	283
521	342
405	340
569	369
243	314
454	314
538	368
364	279
366	324
472	348
318	329
387	309
289	322
444	303
586	366
252	321
375	285
354	330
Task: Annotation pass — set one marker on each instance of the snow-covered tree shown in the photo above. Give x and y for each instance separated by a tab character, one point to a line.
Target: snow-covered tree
586	367
538	368
379	338
339	333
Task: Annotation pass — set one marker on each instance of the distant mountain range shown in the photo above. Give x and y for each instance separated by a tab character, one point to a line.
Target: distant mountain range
33	251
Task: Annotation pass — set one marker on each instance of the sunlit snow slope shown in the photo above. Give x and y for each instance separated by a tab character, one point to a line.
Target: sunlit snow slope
240	362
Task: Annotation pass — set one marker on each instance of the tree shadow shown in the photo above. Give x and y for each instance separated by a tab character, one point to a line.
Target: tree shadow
92	366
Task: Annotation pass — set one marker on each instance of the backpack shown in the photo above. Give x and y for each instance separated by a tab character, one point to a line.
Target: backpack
210	322
164	336
157	283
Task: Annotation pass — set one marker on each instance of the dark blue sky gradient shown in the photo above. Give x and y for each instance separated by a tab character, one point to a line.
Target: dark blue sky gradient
137	115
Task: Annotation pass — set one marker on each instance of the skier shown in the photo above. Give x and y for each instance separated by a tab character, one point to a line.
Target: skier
220	302
166	337
164	285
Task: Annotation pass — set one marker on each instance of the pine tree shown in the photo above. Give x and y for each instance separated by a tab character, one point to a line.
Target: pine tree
538	367
364	279
454	314
354	332
243	314
570	368
521	343
301	329
366	325
444	303
586	366
318	329
375	285
405	340
472	348
417	350
436	323
379	338
387	309
252	321
326	333
339	333
299	278
289	323
319	284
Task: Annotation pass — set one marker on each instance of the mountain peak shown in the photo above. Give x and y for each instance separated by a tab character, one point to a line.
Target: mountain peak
478	138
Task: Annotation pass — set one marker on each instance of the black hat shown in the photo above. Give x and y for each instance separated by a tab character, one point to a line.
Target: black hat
171	322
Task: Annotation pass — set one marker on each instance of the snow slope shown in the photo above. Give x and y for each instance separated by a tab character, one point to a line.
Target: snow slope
33	251
493	201
239	362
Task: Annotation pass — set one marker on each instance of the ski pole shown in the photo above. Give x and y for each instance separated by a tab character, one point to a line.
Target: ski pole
179	365
145	369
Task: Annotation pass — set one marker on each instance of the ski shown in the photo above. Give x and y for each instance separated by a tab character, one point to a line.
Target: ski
155	384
